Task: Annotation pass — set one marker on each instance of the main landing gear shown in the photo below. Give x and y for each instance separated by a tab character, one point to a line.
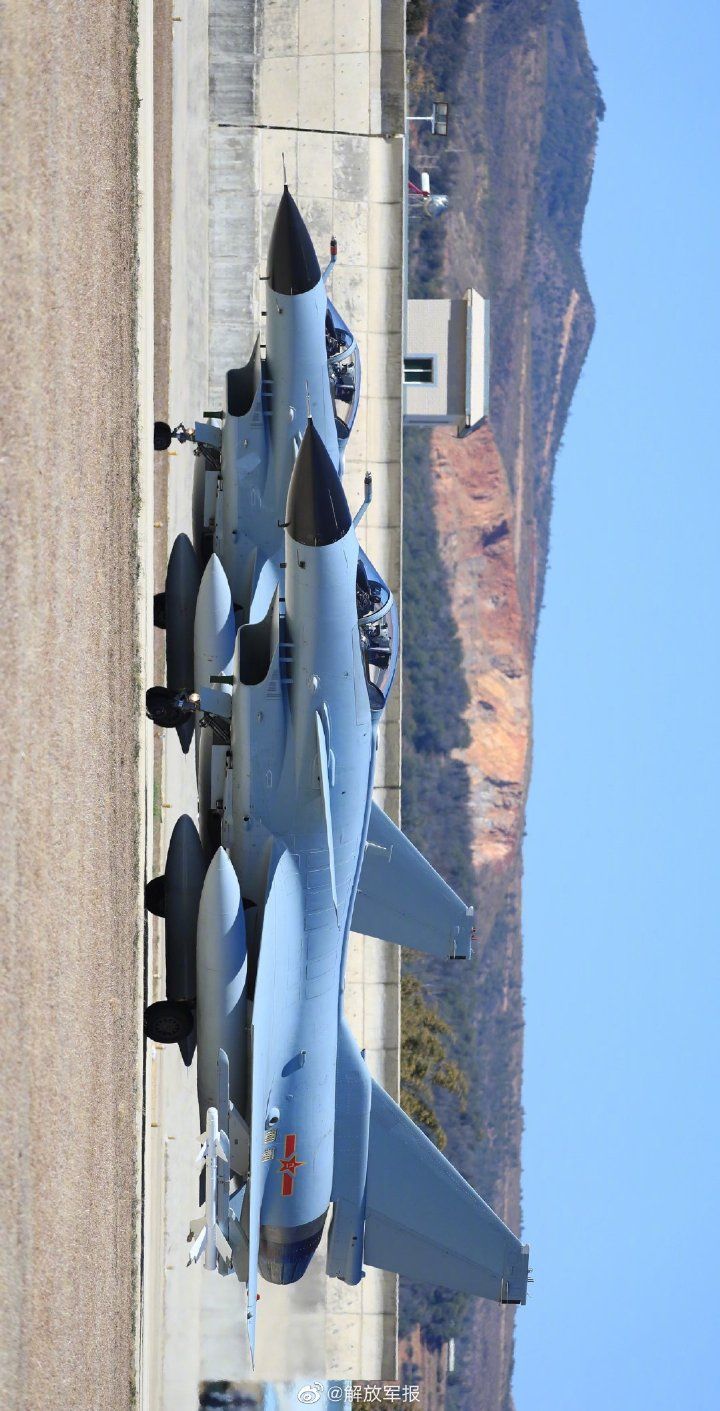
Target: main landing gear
163	434
169	709
168	1021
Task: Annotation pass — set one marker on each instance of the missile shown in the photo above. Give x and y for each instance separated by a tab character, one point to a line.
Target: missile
211	1230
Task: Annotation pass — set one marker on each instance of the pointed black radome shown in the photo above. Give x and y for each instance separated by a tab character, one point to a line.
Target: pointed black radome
292	263
317	510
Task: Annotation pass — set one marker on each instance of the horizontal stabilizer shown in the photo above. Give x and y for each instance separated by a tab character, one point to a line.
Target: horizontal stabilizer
424	1221
401	898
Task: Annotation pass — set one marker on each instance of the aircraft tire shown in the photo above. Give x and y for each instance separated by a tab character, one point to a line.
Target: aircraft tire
155	895
165	709
159	615
162	436
168	1022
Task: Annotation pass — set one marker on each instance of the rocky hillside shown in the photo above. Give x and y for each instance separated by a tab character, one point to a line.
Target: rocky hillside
517	168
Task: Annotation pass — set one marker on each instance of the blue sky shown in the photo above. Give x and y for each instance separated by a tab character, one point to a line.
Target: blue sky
621	1155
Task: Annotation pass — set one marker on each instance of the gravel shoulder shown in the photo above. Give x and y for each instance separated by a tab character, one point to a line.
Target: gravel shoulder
71	952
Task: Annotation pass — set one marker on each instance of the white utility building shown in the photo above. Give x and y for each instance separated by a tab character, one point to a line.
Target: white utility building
447	363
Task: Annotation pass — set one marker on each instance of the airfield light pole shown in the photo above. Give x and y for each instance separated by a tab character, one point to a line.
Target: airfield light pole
432	204
438	119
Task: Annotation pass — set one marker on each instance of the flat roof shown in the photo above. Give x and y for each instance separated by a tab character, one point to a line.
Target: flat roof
477	359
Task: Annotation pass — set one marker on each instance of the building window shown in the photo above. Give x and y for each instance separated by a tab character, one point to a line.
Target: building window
419	369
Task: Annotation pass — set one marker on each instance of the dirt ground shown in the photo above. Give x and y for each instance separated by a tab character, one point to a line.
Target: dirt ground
70	953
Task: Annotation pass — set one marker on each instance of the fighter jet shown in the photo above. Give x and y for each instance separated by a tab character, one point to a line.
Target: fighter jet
289	690
310	367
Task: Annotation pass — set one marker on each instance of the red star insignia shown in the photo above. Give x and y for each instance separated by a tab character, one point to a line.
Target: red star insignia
289	1164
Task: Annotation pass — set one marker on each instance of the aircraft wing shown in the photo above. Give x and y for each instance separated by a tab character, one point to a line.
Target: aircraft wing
423	1220
401	898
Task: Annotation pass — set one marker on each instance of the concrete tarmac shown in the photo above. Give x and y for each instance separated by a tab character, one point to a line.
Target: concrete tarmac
238	69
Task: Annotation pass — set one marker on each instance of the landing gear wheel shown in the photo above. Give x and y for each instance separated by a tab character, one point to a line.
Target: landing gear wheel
167	708
155	895
159	618
168	1022
162	436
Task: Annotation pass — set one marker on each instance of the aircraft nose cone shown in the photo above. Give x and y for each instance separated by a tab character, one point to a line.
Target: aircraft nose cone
292	263
317	510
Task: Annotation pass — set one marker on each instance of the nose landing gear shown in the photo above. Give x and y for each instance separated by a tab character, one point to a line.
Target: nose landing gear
163	434
169	709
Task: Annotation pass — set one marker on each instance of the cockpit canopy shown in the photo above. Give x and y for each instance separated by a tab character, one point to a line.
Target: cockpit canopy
379	631
344	370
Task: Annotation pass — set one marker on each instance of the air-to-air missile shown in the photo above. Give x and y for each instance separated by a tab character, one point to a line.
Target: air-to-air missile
288	665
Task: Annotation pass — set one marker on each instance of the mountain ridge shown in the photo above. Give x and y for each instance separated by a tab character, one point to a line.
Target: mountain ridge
525	107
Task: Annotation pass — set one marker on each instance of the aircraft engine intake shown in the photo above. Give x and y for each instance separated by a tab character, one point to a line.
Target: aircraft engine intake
285	1253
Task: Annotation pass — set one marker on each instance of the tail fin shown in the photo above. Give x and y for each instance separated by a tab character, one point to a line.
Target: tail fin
401	898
